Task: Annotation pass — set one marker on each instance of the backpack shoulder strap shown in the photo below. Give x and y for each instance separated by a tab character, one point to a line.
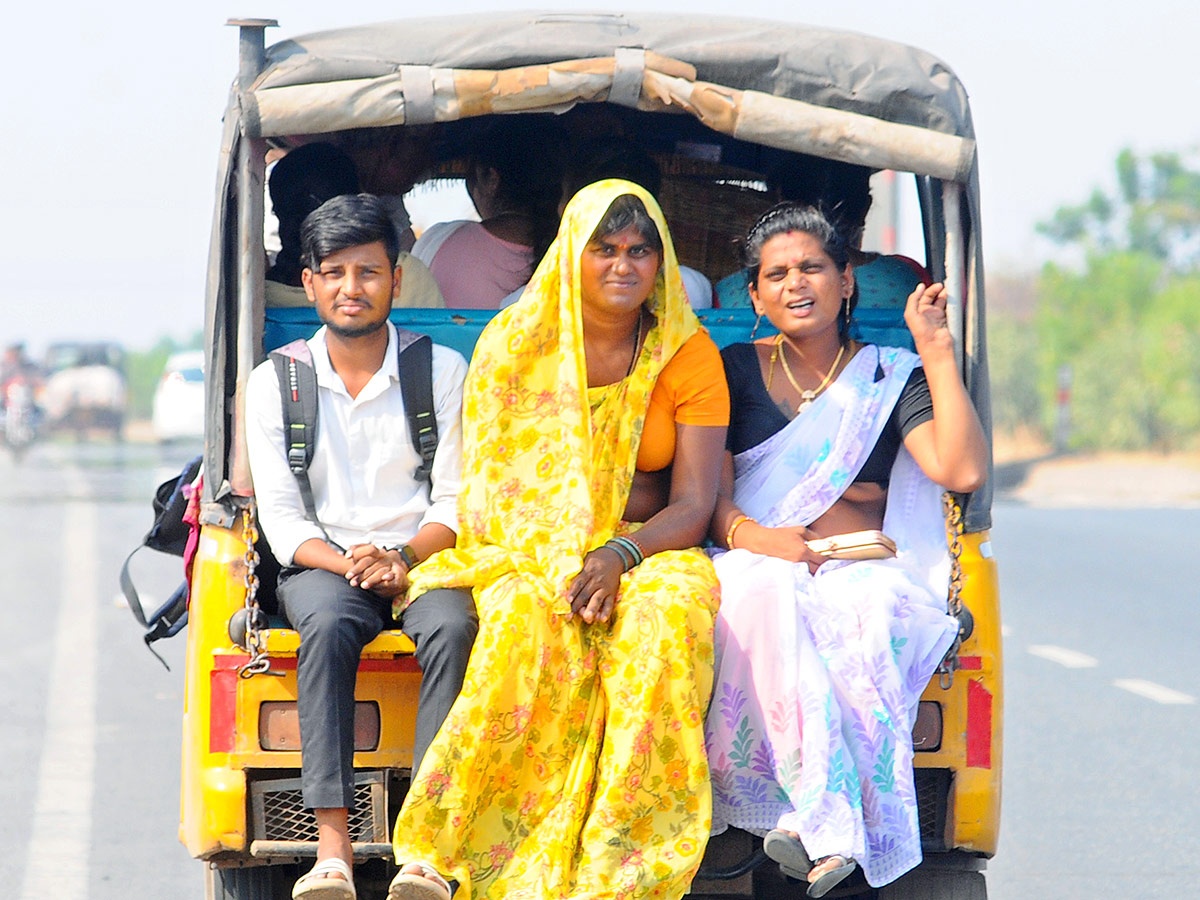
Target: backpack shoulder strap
416	386
298	398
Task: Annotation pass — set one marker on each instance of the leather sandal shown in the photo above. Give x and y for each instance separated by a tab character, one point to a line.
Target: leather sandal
429	885
787	850
316	884
827	881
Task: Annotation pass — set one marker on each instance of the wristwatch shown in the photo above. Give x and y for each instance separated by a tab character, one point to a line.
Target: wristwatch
408	554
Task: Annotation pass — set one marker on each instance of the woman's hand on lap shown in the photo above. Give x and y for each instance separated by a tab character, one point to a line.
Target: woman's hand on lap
789	543
593	592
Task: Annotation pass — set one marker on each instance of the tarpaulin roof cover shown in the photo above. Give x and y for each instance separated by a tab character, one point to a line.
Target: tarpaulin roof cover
832	93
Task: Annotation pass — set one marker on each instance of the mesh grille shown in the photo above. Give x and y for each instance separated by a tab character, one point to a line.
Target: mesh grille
279	813
933	787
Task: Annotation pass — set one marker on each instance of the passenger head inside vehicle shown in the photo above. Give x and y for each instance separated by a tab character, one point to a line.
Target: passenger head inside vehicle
628	211
610	157
786	218
619	265
344	221
514	176
299	183
842	191
349	249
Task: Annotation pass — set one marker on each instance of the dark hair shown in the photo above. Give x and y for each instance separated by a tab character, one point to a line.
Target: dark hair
811	220
612	157
628	210
350	220
299	183
526	152
841	190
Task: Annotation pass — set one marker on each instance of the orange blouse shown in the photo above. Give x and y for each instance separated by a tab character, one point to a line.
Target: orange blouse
690	390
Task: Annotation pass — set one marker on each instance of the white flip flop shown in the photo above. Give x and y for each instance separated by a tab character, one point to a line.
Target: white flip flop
316	885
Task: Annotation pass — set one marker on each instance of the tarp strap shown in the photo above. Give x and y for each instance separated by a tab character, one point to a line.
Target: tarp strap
417	84
628	68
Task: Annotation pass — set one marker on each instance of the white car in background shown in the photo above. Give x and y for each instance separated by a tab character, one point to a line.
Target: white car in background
178	412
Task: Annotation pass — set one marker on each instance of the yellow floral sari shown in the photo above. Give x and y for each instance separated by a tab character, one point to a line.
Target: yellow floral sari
573	763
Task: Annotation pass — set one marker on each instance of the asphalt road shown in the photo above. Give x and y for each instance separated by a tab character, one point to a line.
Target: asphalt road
1102	714
89	746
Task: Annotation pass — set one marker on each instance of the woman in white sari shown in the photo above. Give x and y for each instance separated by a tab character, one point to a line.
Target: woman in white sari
821	662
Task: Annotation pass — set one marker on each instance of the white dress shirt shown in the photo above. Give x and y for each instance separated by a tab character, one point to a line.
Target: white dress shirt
363	460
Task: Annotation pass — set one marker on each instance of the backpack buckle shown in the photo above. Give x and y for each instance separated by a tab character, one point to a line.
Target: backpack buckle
426	446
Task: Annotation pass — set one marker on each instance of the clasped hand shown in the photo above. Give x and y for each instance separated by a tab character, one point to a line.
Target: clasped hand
374	569
593	592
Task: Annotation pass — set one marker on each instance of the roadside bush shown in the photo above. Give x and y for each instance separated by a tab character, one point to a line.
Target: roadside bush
1013	370
1129	329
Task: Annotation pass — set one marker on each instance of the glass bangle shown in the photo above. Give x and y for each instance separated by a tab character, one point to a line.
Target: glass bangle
635	550
622	554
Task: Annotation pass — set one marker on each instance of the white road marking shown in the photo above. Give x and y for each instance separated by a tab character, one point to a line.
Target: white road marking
1071	659
1152	691
57	863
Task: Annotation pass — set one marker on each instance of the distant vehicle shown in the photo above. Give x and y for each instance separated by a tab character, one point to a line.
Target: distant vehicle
19	415
178	412
85	388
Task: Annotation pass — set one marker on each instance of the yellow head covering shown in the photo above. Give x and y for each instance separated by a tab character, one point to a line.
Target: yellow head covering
547	463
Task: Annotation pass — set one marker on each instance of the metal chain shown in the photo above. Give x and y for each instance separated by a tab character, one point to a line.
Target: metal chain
255	620
954	529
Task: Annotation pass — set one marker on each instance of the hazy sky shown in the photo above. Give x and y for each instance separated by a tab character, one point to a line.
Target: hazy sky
112	122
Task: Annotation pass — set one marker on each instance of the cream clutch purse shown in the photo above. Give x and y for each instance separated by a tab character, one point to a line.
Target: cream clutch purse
871	544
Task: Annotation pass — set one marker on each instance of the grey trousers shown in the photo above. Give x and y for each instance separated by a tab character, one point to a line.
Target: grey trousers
335	622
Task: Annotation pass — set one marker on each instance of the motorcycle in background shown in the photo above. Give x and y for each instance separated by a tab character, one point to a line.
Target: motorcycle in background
20	415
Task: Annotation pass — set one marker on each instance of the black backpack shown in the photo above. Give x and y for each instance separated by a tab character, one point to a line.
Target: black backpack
298	394
168	534
298	397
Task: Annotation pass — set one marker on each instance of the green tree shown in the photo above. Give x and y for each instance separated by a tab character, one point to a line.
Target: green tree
1128	323
1155	210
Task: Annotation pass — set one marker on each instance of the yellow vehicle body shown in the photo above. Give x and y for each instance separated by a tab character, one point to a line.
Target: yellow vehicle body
971	708
222	723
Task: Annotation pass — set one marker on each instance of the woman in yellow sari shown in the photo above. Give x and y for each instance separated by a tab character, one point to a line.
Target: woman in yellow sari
573	763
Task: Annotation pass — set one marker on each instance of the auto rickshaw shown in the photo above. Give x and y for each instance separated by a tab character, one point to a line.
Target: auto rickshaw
723	105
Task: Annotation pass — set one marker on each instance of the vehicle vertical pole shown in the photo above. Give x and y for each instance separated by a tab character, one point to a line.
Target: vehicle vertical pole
251	176
955	277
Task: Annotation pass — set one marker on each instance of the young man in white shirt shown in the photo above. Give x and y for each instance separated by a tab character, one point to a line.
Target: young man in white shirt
375	518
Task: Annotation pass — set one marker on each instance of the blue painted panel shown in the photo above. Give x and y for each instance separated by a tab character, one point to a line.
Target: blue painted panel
460	329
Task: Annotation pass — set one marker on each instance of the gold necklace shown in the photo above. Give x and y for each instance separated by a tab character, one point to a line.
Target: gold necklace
806	396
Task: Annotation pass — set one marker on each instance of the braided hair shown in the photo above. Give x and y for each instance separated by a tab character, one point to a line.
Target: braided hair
811	220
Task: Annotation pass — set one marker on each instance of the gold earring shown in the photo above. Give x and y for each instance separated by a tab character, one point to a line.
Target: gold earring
754	330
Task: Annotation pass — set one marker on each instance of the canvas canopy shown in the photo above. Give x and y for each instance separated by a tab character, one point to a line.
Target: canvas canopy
827	93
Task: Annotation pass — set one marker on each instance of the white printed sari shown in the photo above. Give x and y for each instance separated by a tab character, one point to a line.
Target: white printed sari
818	676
